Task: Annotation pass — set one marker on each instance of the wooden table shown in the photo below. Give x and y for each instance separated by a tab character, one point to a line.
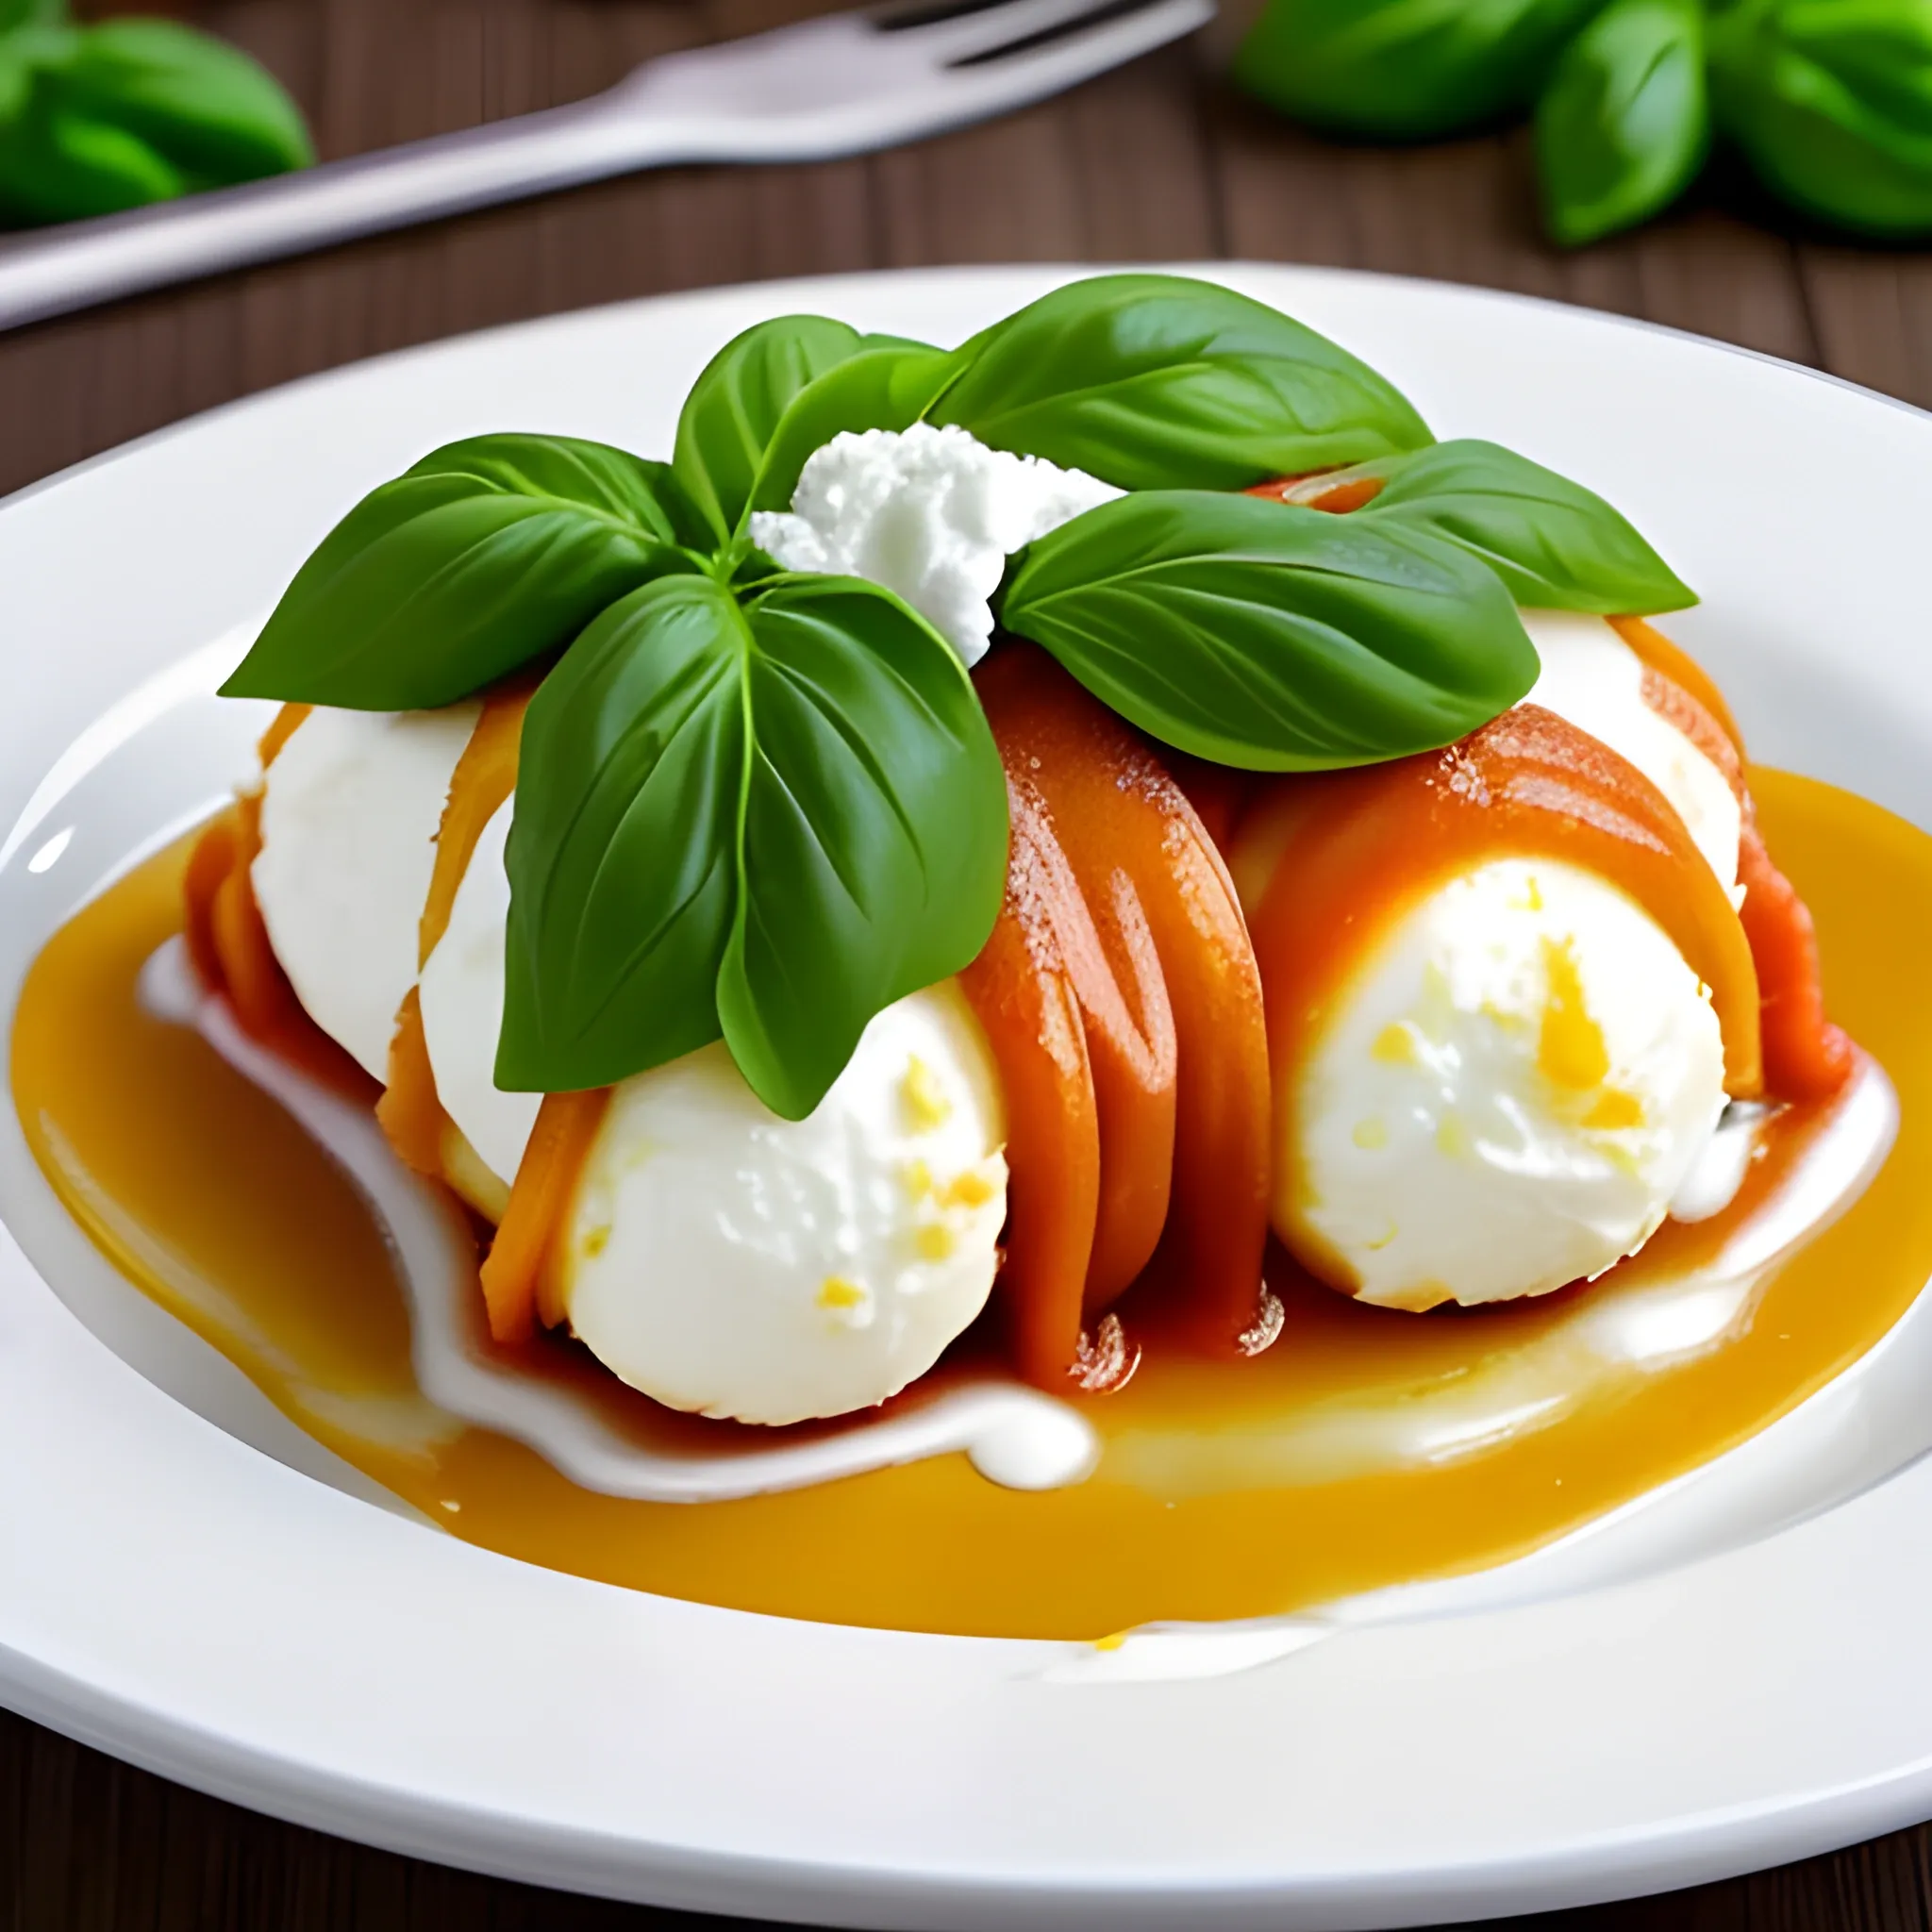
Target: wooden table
1158	161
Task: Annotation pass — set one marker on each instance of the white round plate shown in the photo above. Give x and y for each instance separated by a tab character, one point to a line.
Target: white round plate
175	1594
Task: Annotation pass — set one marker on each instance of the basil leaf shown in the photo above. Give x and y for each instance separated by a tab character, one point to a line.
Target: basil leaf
874	855
1152	382
1554	545
1405	70
487	554
1625	125
736	402
56	166
215	114
98	119
1271	637
767	822
887	388
19	14
1831	103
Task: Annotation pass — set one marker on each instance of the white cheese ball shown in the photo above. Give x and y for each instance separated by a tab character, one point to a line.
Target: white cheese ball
726	1261
349	819
930	514
1505	1094
462	1001
1592	679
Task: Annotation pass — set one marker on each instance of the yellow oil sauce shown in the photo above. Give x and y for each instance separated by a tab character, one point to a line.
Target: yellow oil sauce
1224	1490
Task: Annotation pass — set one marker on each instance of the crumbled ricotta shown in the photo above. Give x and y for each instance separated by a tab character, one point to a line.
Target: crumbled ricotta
931	513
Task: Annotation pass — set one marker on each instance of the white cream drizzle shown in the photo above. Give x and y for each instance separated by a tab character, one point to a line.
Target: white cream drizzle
1721	1166
1012	1435
1851	1434
1023	1440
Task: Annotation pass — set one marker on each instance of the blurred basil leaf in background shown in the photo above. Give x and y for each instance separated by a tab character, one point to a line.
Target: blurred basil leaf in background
59	162
1831	103
1404	69
1625	125
97	118
15	13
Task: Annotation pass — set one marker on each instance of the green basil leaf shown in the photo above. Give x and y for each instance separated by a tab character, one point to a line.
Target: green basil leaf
887	388
1625	125
56	166
1831	103
20	14
621	853
874	855
1272	637
217	115
735	405
99	119
767	822
1153	382
27	55
1405	70
488	552
1556	546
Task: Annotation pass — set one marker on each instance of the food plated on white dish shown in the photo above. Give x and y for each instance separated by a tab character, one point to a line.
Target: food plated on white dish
1039	990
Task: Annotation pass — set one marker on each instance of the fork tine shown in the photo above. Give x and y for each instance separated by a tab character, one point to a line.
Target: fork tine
900	16
1045	63
1066	24
950	32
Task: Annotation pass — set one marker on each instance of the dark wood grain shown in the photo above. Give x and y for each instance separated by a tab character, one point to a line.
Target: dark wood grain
1158	161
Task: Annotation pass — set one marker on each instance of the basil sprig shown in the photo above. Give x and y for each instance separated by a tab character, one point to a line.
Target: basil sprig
1625	125
1404	69
760	806
1554	545
1831	101
96	119
1154	382
485	555
1269	636
765	820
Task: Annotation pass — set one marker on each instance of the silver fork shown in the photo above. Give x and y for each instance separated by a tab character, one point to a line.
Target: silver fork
844	84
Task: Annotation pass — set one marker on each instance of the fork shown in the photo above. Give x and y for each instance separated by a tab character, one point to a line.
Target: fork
842	84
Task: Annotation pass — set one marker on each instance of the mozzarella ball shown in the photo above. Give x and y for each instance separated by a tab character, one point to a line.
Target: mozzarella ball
462	1001
1592	679
1504	1096
349	818
726	1261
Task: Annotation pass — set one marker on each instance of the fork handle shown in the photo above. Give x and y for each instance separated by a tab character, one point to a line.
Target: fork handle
85	262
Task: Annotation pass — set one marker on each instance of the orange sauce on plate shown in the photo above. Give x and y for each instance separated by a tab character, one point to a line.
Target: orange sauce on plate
1227	1488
